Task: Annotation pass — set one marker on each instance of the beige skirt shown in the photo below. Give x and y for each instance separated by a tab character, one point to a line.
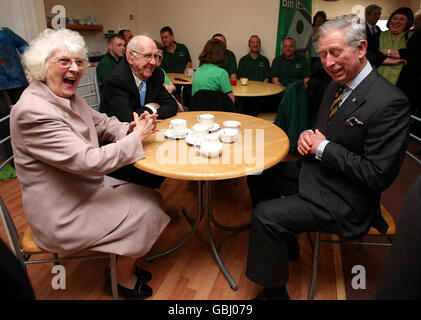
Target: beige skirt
137	233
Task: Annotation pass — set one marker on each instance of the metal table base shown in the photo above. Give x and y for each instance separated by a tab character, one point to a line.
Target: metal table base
204	206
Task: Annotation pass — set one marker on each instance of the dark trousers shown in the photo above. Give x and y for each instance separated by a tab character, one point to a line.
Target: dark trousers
276	222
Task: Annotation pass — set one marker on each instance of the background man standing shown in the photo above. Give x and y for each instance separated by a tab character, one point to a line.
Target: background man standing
354	153
116	51
372	15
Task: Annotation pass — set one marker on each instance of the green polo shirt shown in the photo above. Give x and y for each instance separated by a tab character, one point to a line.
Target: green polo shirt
254	69
211	77
231	67
176	62
289	71
104	68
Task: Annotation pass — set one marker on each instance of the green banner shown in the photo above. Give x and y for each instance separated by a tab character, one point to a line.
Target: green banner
294	21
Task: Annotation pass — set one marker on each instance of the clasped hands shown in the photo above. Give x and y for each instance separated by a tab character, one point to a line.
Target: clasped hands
309	141
144	125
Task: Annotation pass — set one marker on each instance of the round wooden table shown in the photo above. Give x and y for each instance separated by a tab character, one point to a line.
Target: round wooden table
259	146
185	80
174	77
254	89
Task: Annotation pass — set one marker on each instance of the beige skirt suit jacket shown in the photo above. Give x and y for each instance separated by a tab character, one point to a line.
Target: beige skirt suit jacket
67	200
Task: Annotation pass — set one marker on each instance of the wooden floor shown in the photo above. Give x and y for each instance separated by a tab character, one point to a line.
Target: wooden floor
190	273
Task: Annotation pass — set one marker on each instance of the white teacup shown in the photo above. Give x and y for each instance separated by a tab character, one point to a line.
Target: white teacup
210	149
199	131
231	124
229	135
244	81
206	119
212	136
178	126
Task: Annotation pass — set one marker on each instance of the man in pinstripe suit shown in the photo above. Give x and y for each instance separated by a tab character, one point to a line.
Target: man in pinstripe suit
353	153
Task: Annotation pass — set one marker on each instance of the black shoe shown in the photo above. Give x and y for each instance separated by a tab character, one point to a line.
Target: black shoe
141	290
259	296
142	275
275	293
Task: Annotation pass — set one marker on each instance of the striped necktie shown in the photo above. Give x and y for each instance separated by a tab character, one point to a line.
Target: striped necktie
337	100
142	93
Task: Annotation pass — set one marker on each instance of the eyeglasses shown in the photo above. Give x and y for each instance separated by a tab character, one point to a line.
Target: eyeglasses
67	62
148	57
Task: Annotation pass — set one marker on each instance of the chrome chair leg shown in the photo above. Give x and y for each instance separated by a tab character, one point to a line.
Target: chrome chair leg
315	266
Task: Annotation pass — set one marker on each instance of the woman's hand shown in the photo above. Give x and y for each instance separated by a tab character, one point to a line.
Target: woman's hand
145	125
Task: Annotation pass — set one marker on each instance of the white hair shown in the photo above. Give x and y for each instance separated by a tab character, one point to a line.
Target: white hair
40	49
354	28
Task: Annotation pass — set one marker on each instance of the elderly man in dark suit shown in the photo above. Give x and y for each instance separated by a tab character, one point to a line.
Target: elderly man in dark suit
135	85
353	154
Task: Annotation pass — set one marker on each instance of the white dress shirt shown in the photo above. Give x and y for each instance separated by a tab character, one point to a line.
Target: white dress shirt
138	85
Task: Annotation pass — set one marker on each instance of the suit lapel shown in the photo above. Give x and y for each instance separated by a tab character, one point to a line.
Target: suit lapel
353	102
324	110
127	77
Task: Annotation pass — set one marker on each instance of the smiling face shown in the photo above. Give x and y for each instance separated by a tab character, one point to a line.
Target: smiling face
254	44
64	72
167	39
141	66
288	49
341	61
398	23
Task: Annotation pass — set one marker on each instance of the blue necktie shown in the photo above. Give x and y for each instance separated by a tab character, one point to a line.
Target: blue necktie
142	93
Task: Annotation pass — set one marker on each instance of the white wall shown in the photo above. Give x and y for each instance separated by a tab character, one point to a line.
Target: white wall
194	22
26	18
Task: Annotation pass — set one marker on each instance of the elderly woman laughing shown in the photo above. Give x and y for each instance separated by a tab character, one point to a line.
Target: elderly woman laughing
68	202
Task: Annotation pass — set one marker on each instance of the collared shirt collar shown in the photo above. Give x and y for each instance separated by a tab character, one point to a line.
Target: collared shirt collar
360	77
351	85
137	80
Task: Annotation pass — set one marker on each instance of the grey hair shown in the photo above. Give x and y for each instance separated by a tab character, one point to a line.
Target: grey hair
40	49
353	25
135	43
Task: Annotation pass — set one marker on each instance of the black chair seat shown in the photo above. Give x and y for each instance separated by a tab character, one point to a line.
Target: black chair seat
208	100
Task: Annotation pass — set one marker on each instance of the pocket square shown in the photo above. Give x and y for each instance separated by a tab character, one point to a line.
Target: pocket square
353	122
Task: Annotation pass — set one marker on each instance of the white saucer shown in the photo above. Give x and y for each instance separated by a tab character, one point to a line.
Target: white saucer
214	127
170	134
192	140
